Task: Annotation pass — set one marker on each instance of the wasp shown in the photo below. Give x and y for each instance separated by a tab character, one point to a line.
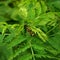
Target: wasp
29	30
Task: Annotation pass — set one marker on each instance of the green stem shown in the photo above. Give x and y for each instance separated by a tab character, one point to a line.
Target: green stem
32	51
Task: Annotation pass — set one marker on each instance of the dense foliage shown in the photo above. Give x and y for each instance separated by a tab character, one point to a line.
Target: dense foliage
29	30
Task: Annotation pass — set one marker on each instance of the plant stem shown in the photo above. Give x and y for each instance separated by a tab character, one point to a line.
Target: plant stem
32	51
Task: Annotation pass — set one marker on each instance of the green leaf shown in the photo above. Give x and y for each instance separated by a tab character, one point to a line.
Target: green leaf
38	9
16	41
2	19
1	38
54	41
43	6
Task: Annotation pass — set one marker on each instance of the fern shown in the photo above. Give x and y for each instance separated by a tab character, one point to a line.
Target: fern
29	30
